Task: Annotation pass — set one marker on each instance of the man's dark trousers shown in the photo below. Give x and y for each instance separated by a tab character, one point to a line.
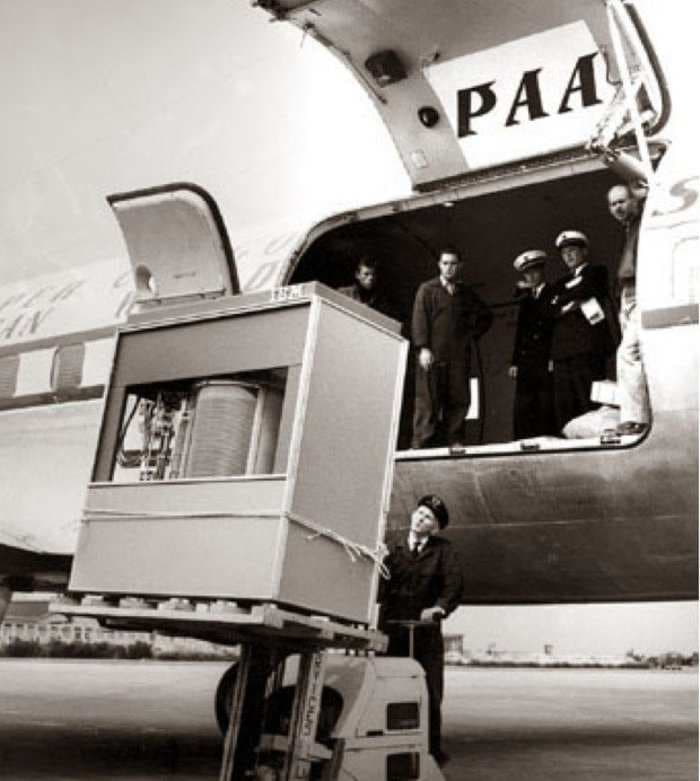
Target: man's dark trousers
534	403
573	378
442	402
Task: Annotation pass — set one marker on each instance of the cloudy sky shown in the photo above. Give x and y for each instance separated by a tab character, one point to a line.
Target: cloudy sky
101	97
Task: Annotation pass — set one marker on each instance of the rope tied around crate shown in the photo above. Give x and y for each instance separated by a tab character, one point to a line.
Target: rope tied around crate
354	550
108	514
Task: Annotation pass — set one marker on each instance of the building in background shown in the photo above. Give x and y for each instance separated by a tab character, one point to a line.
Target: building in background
29	621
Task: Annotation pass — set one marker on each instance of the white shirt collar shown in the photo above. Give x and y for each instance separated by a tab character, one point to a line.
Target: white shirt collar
413	540
579	269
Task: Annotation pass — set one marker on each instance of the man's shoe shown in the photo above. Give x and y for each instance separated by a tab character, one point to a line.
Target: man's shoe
631	428
441	757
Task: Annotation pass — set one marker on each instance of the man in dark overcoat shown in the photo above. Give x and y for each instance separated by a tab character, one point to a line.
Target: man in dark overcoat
581	341
533	408
446	316
425	584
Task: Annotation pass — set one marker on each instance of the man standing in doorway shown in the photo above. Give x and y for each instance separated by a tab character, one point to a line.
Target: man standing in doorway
581	341
531	367
425	585
367	288
446	316
631	380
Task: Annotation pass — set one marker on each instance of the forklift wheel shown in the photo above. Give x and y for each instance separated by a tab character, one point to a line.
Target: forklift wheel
222	700
280	704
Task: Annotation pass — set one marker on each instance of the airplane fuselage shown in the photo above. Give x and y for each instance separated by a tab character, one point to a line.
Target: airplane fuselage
566	520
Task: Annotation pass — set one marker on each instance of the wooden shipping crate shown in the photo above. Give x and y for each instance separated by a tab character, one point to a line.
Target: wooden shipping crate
302	532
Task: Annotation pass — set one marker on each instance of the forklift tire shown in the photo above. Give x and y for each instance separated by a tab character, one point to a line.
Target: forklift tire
222	699
331	706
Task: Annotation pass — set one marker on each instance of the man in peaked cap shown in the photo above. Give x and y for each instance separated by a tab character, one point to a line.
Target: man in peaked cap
425	585
581	340
531	367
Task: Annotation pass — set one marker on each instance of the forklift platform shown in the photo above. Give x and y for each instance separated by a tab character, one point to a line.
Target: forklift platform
227	623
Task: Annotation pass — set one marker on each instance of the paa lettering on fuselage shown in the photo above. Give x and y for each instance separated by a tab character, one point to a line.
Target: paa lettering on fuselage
528	97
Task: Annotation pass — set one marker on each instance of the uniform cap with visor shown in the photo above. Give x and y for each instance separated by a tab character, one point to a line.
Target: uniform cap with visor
533	258
571	239
437	507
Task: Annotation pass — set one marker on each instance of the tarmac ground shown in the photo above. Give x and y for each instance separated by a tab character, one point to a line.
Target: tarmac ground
138	721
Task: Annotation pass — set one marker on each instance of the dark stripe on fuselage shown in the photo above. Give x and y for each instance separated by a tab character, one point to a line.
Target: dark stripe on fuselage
83	337
52	397
64	394
21	563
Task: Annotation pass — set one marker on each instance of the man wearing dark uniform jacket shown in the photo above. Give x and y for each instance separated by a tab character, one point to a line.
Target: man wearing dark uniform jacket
446	316
533	409
425	584
581	341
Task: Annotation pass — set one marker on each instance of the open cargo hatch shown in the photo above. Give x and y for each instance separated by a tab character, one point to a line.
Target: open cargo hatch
472	84
177	242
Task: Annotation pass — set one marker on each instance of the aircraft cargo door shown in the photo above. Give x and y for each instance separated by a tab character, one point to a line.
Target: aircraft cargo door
471	86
